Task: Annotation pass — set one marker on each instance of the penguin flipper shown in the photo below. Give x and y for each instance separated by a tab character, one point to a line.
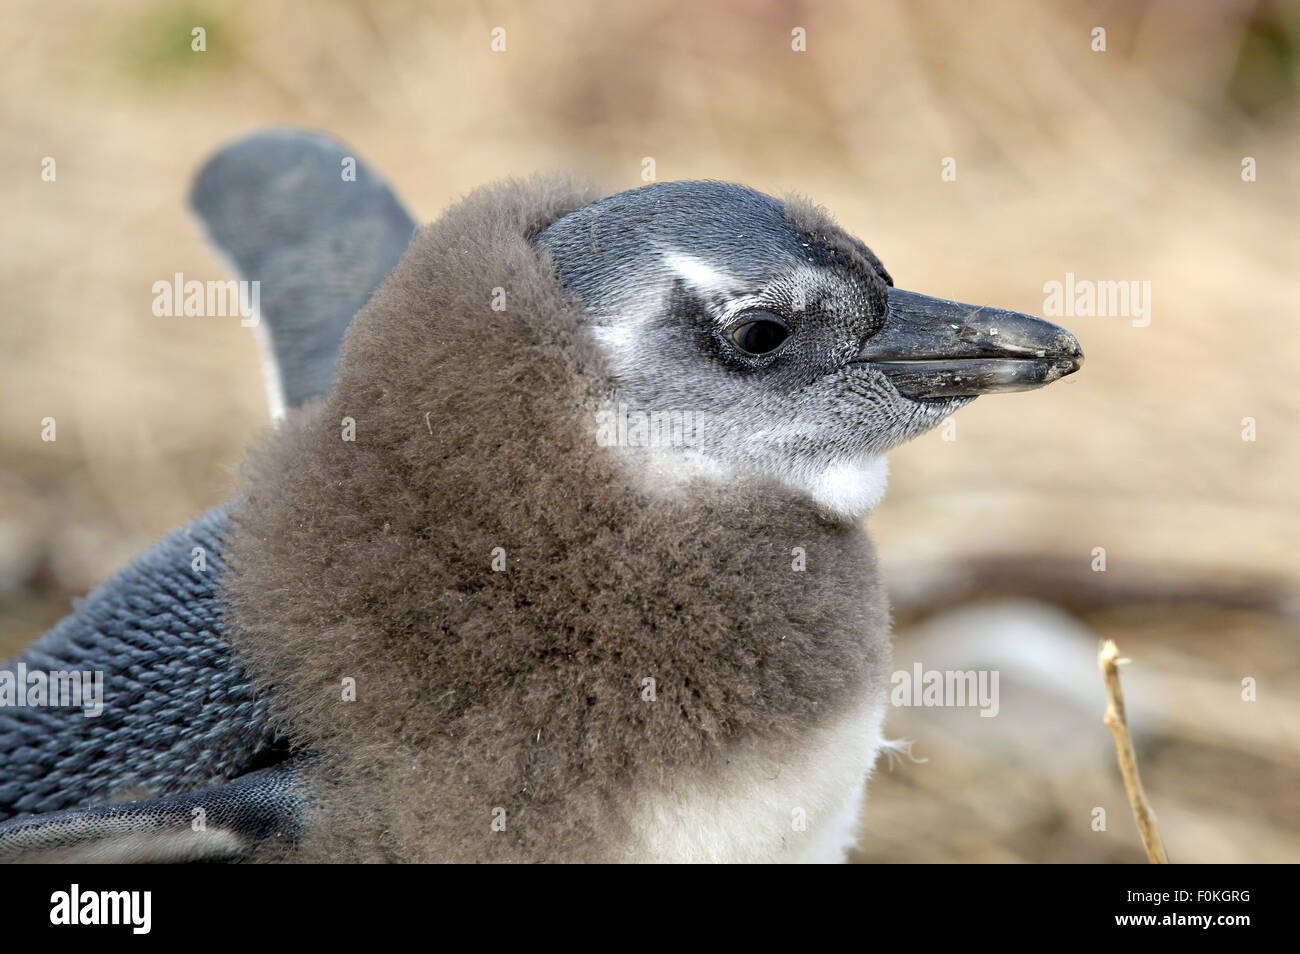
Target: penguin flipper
263	811
318	229
162	705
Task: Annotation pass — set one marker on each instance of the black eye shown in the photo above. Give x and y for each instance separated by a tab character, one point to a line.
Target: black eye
761	335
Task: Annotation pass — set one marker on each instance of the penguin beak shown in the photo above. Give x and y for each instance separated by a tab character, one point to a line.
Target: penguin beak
932	348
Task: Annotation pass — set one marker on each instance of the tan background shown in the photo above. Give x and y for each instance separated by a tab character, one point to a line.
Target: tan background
1117	165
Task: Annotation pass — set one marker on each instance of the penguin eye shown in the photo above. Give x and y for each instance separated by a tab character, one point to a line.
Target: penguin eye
761	335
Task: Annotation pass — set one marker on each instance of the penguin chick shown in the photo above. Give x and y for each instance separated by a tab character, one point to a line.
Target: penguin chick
518	625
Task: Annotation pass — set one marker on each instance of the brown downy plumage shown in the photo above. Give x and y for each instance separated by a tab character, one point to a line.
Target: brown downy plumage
506	714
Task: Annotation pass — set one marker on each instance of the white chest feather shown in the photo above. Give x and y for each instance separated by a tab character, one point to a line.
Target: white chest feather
769	803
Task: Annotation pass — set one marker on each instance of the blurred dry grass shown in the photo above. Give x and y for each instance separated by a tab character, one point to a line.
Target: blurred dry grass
1122	165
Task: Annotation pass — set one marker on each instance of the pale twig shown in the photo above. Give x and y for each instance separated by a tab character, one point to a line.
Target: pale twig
1117	720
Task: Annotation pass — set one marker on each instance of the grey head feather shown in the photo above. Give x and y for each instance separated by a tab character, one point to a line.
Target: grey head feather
669	273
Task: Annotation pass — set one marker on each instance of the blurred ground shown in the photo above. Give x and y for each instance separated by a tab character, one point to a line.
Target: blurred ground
1116	166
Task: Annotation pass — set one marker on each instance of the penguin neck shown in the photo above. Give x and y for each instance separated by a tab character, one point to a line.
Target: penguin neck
844	490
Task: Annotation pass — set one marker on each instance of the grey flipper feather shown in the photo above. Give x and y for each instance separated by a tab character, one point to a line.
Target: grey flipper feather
263	811
178	716
277	204
178	712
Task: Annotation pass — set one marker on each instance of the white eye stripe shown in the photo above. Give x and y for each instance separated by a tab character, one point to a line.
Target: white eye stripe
808	282
703	278
698	274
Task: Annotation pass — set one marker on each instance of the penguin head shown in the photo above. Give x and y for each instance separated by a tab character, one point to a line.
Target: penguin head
746	336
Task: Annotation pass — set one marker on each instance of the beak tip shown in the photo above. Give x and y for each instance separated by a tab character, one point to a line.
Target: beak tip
1064	367
1068	351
